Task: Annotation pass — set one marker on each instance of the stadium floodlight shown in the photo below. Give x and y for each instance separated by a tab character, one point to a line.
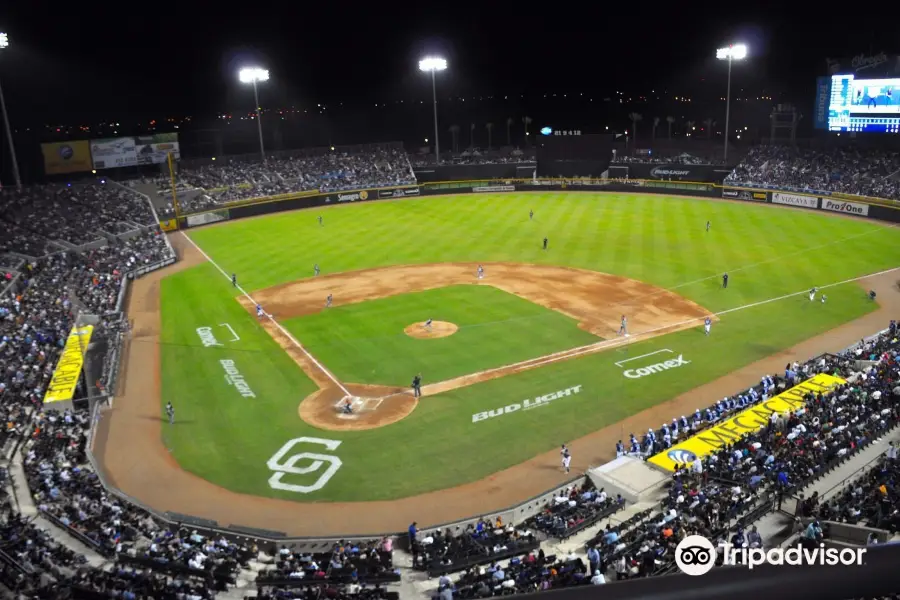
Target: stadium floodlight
4	43
731	53
254	75
432	64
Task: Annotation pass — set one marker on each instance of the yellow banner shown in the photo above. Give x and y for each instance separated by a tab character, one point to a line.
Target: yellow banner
65	377
743	423
67	157
170	225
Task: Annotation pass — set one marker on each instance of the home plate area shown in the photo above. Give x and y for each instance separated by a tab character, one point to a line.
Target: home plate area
365	407
353	407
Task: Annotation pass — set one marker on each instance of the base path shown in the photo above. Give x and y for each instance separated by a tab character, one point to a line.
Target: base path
129	447
437	329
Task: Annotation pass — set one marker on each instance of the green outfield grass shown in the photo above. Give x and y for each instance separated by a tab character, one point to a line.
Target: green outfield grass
227	438
495	329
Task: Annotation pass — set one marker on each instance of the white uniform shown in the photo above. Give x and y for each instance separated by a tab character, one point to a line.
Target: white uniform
259	311
567	459
480	272
812	294
428	324
707	325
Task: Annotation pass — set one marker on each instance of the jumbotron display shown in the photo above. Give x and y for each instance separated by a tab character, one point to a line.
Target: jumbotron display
871	105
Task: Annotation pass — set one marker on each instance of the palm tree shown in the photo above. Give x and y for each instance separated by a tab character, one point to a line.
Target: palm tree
635	117
709	125
655	125
490	130
689	127
527	121
670	121
509	122
471	135
454	133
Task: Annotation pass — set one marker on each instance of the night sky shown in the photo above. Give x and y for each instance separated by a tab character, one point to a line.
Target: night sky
112	60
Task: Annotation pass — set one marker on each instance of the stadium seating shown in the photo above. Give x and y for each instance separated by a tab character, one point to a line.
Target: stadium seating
850	171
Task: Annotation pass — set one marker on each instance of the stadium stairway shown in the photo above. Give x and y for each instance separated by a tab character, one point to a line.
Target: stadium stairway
28	509
776	527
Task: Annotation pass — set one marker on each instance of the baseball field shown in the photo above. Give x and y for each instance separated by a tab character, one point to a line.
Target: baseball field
309	403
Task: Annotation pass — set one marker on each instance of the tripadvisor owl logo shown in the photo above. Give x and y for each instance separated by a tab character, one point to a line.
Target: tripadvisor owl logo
696	555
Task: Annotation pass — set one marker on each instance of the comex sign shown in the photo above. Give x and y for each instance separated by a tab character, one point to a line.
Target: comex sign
659	367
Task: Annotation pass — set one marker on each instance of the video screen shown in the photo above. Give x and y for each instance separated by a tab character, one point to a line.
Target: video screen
864	104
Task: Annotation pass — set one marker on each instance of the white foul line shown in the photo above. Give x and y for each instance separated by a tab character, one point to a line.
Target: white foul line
622	362
237	338
274	322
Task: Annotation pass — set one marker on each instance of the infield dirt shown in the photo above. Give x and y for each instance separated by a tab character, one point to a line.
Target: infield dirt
129	447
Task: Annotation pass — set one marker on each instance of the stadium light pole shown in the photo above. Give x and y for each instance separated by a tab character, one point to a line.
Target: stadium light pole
731	53
432	64
254	75
4	43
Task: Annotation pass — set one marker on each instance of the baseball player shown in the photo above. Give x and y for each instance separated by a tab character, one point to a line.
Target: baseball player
234	280
348	406
328	301
170	411
823	298
707	226
812	294
620	449
480	272
566	457
623	328
428	324
316	270
417	386
707	325
546	241
725	280
321	224
531	215
259	311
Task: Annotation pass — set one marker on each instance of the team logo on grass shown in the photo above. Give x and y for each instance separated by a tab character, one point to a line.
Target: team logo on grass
234	377
525	404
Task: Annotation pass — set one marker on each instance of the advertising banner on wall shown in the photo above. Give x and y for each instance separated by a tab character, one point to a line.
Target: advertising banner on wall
795	200
154	149
678	172
842	206
66	157
68	369
111	153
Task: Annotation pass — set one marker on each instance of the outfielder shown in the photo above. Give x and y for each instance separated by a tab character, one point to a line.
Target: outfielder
707	226
812	294
321	224
480	272
234	279
170	411
623	328
707	325
531	214
328	301
316	269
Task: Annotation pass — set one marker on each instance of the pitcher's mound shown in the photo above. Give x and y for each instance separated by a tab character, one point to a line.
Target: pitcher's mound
438	329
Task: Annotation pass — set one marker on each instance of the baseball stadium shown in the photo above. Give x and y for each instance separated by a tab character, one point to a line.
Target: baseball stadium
379	372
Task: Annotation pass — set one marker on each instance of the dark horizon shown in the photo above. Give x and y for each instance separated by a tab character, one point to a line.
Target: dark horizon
76	66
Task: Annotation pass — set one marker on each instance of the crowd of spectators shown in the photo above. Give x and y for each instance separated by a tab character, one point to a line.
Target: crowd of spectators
76	214
475	156
681	159
228	180
453	550
574	509
346	562
845	170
